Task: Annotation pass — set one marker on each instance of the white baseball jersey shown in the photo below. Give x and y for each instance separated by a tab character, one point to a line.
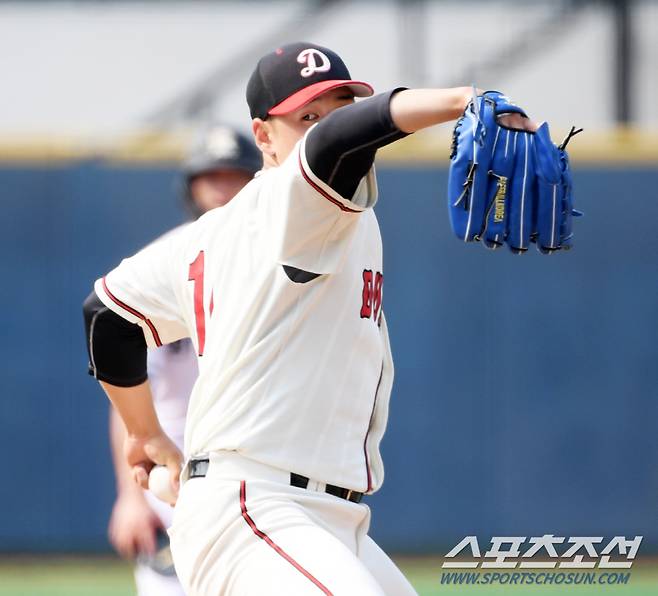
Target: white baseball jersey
294	375
172	372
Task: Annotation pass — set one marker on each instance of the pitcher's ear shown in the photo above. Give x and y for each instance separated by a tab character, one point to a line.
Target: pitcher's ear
262	135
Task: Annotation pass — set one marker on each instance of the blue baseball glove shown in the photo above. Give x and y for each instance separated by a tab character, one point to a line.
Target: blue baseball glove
508	186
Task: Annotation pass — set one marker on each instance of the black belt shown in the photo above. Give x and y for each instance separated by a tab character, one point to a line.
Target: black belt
336	491
198	468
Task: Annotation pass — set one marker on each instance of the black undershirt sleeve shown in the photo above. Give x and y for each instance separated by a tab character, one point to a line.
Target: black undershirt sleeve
341	148
116	347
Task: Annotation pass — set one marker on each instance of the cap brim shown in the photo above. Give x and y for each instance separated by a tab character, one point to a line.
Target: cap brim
308	94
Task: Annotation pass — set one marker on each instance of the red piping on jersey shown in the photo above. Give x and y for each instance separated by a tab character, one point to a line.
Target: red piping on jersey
132	311
271	544
323	192
365	441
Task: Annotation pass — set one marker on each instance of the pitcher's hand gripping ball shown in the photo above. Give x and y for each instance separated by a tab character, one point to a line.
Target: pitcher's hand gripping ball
160	484
508	186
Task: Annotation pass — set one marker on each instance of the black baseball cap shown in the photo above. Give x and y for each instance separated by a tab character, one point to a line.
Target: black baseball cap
295	74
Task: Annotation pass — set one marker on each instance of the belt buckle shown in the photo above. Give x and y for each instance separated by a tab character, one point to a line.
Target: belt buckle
193	467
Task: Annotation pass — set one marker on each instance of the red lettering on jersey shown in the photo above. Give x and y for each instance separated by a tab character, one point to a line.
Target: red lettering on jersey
366	305
196	275
377	298
372	295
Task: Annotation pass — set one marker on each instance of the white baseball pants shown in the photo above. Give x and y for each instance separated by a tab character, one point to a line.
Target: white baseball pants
242	530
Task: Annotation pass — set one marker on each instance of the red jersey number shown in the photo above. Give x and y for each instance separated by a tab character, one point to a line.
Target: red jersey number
196	275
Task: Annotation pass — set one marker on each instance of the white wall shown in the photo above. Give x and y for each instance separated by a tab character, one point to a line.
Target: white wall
646	96
98	69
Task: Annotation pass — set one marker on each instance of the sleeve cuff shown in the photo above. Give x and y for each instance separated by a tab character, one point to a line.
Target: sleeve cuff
368	186
109	299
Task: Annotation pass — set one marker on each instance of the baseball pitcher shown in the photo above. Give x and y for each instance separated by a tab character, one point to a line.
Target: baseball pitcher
281	292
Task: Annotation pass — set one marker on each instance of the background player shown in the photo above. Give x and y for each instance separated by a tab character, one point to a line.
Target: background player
295	370
220	163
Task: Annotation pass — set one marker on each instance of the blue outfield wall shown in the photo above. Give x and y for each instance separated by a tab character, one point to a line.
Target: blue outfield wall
525	400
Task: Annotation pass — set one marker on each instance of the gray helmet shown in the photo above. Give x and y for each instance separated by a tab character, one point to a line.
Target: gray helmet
219	147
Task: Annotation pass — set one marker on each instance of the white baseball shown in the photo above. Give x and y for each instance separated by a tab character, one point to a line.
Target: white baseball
160	486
